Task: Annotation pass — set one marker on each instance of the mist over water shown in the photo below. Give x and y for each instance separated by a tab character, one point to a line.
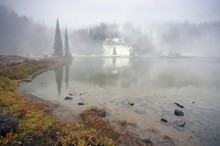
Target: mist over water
153	84
152	53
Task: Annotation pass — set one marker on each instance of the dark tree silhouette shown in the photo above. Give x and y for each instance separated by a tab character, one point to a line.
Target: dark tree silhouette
58	46
66	47
67	70
59	78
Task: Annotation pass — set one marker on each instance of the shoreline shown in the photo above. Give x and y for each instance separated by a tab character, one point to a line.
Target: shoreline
90	120
32	76
120	125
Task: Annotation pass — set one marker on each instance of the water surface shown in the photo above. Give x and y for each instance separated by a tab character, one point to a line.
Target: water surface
152	84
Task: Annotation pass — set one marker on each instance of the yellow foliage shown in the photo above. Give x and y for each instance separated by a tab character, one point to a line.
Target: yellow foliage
36	125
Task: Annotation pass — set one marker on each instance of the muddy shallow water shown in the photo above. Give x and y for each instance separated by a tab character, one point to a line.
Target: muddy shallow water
152	84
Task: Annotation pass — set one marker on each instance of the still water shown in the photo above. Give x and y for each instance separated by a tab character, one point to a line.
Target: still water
152	84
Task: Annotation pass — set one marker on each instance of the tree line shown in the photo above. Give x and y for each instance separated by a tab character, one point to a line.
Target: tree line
20	35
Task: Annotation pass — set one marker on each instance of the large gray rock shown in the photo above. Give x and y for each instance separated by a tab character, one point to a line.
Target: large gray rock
7	123
178	112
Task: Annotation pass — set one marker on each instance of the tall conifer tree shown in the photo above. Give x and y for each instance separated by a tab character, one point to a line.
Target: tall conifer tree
58	45
66	47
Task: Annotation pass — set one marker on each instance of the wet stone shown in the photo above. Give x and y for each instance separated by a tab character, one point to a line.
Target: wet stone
179	105
131	103
81	103
68	98
178	112
147	141
163	120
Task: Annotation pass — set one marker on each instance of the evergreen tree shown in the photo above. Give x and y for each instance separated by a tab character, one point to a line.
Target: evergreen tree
66	47
58	46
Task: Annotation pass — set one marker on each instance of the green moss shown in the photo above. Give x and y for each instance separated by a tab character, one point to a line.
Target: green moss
6	84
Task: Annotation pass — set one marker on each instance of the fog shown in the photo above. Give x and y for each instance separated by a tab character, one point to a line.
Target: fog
150	28
85	12
136	59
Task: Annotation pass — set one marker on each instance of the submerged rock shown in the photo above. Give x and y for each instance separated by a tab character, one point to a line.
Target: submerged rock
131	103
81	103
178	112
7	123
163	120
147	141
179	105
180	123
140	111
68	98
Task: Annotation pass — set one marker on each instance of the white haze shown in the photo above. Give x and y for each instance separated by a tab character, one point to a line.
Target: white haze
152	27
80	13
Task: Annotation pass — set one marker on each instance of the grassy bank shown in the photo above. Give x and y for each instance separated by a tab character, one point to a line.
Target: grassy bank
26	123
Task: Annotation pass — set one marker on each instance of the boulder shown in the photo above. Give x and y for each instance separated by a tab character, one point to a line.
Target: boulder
7	123
178	112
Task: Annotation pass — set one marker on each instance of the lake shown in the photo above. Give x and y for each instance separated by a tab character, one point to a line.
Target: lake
152	84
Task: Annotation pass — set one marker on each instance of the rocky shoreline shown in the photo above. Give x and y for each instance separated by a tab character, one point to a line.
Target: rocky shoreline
116	132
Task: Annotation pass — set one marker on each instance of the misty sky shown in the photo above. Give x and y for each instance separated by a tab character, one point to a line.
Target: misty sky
79	13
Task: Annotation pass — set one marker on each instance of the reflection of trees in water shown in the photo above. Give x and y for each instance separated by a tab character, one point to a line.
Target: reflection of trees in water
59	77
113	61
67	70
146	72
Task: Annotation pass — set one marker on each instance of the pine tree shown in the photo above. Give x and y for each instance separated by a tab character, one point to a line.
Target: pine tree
66	48
58	46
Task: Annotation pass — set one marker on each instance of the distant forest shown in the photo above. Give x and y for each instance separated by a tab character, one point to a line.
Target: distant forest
20	35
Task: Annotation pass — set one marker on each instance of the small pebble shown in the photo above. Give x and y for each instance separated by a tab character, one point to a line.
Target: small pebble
163	120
